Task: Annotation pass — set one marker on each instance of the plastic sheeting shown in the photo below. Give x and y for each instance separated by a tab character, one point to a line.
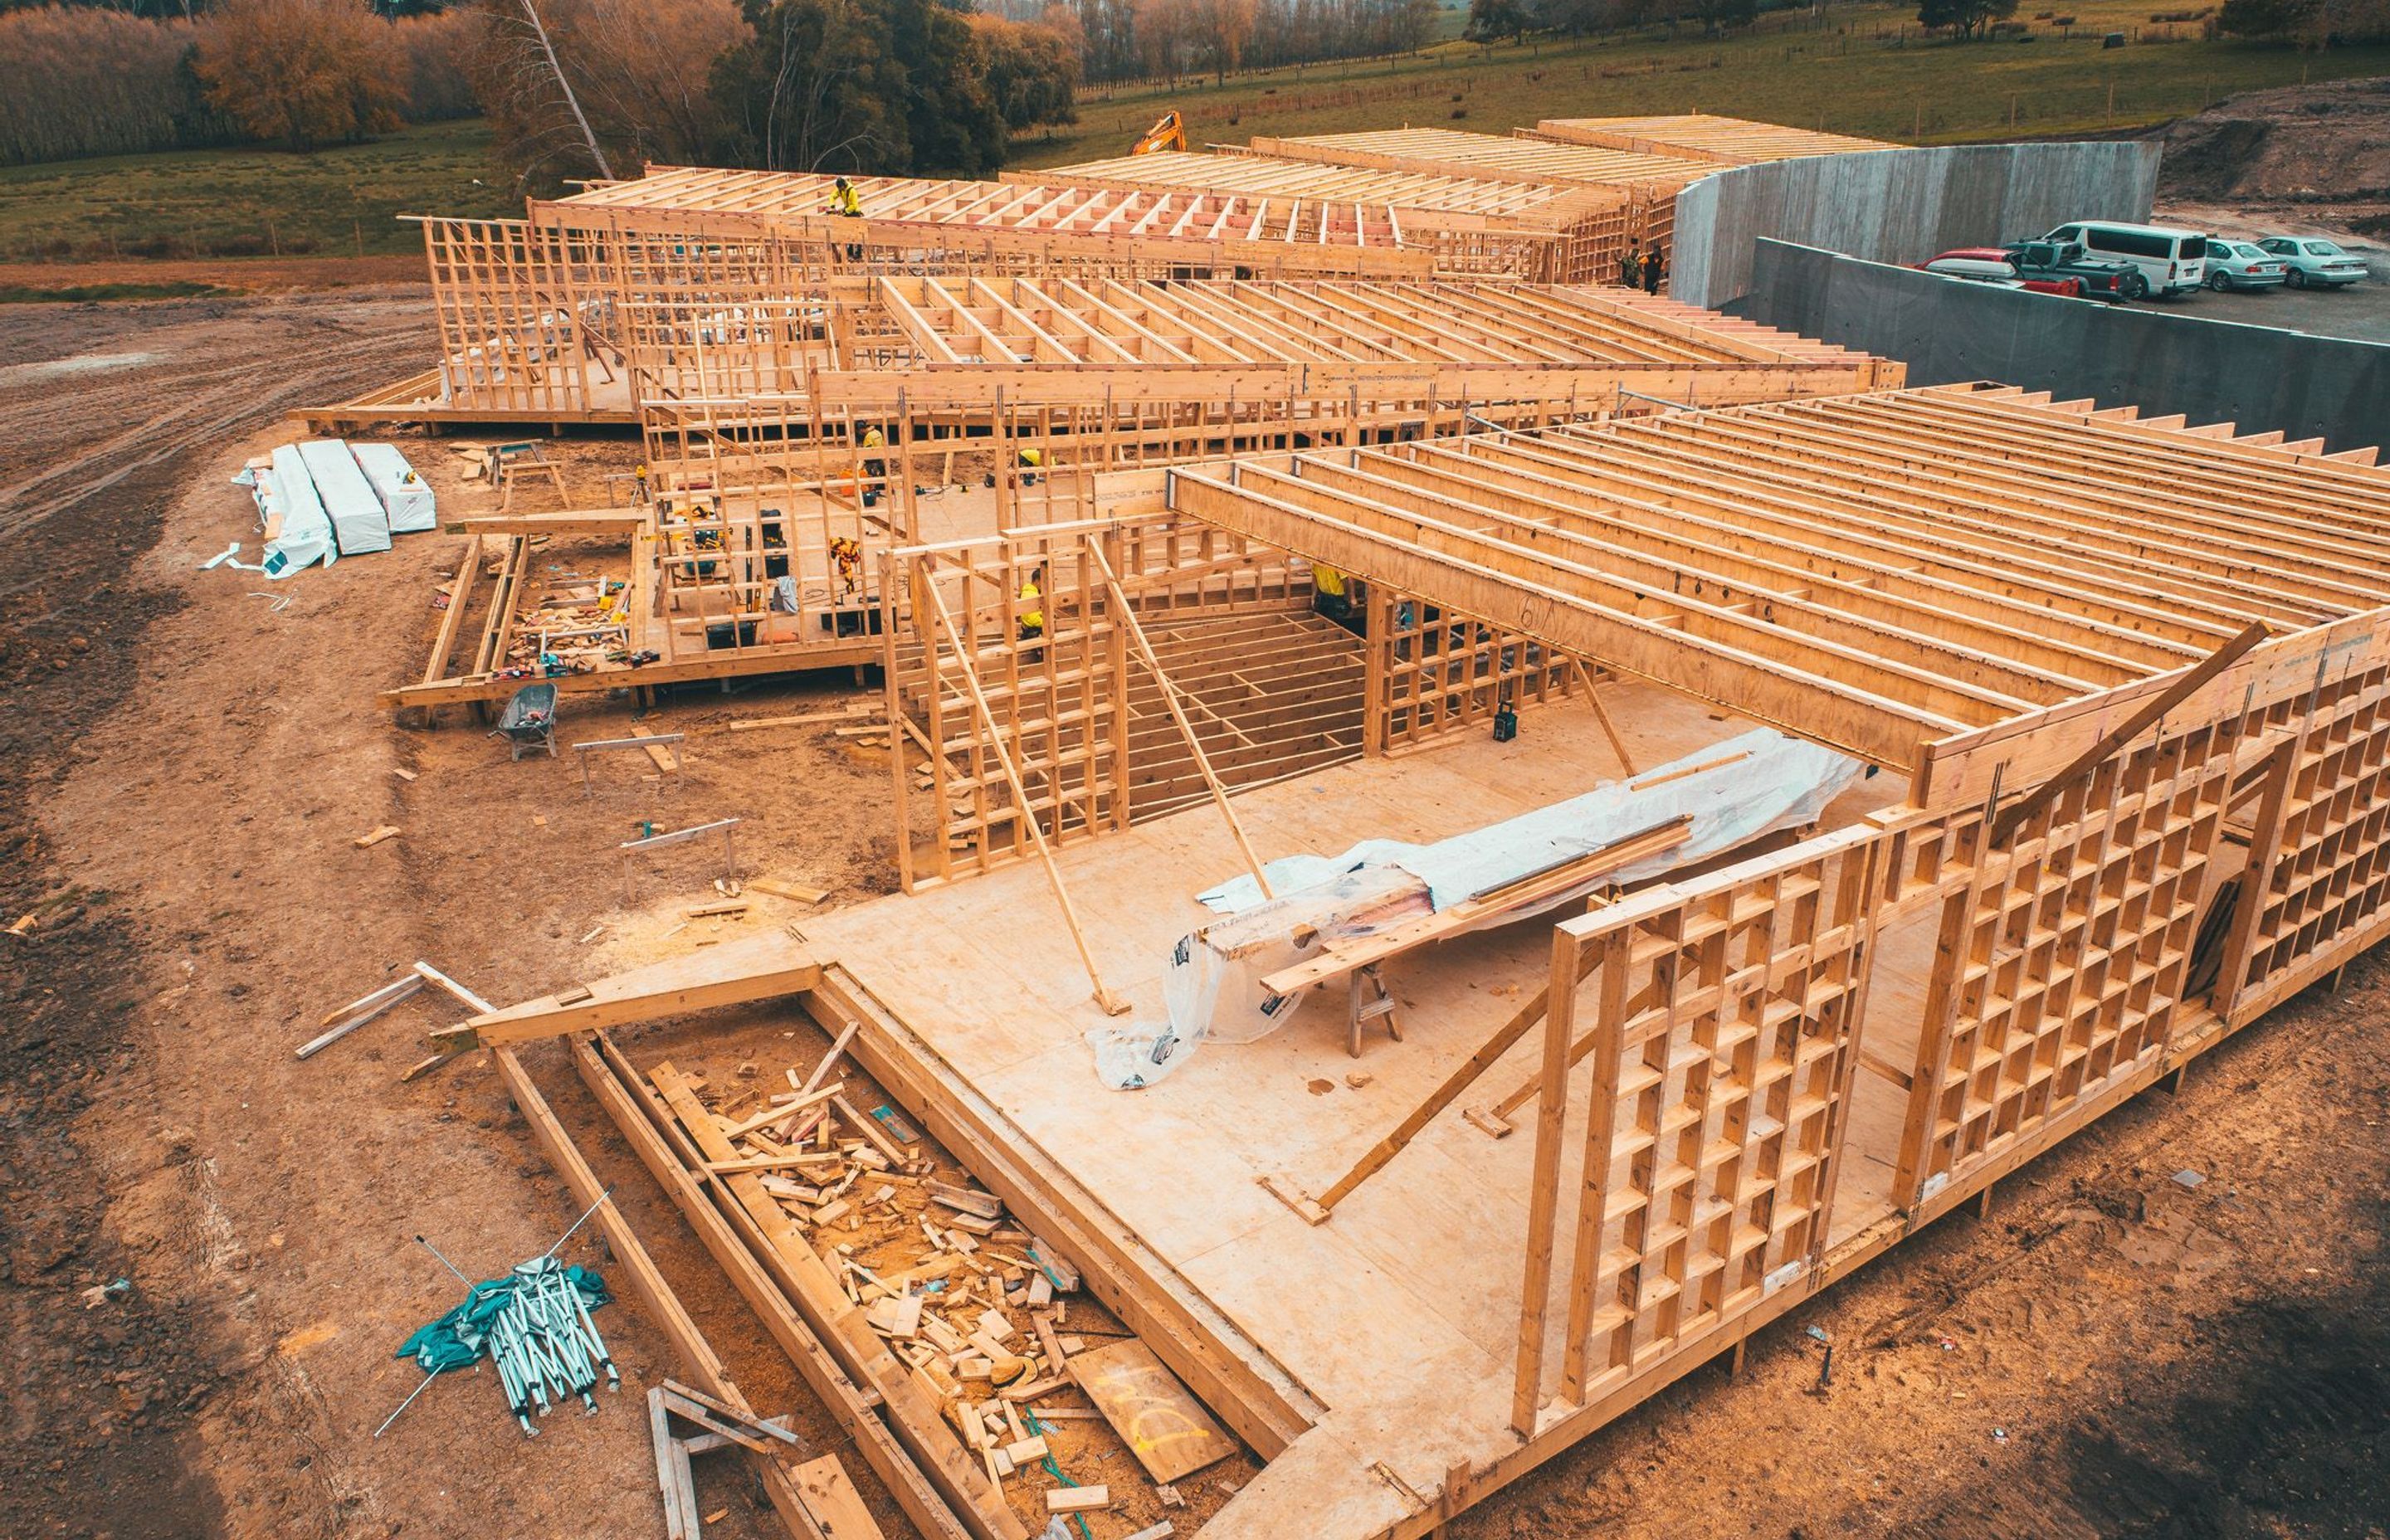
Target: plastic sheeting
349	500
1213	986
406	497
297	532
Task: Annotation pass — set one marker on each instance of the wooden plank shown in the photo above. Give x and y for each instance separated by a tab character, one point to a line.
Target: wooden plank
834	1502
762	968
1166	1429
680	1511
624	523
659	751
461	591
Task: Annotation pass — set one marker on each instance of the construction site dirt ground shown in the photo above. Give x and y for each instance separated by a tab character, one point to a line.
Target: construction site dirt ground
2113	1351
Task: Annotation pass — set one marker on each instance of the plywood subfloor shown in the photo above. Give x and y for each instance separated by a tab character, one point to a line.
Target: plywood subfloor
1406	1302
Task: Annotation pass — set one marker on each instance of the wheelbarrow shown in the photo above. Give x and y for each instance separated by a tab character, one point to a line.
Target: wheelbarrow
529	722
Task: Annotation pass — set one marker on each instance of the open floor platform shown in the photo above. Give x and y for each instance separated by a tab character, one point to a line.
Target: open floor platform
1397	1318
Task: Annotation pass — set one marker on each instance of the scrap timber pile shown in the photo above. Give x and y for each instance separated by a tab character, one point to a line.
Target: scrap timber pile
980	1308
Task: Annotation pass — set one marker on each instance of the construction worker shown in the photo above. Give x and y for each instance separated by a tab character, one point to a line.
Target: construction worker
1630	267
875	470
846	555
1328	593
1031	461
845	202
1655	269
1033	606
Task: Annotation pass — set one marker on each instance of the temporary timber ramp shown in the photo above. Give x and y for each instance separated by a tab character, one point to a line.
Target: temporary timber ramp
1558	234
1703	136
2137	674
1490	157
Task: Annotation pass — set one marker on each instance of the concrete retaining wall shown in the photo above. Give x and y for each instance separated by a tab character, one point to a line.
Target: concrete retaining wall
1899	205
2158	359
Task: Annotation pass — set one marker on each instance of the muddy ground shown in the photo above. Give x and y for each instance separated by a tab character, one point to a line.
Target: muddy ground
2111	1353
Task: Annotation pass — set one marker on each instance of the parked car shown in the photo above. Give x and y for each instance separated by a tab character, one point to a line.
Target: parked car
2238	265
2313	263
1992	265
2173	261
2112	281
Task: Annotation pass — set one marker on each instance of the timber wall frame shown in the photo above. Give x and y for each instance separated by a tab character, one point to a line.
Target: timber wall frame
549	320
1720	1019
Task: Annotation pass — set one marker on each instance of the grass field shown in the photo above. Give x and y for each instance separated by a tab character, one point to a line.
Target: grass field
1864	71
251	202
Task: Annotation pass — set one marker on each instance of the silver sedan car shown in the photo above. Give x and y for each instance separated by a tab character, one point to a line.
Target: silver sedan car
2313	263
2238	265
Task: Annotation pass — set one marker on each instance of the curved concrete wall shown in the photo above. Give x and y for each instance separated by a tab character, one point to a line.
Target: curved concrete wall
2154	357
1899	205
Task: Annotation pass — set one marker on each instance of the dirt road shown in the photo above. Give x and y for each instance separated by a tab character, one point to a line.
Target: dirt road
2113	1352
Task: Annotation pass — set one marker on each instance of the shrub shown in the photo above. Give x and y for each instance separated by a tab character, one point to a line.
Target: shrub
305	72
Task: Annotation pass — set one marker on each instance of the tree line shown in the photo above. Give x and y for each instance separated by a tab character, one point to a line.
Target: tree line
570	87
573	87
91	80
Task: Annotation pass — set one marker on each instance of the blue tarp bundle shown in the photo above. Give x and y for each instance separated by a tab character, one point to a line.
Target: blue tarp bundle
459	1339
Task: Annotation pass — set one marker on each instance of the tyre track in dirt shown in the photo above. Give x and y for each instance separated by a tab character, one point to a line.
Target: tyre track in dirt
95	1435
228	401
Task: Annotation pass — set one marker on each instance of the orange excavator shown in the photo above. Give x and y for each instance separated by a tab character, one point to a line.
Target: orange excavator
1167	132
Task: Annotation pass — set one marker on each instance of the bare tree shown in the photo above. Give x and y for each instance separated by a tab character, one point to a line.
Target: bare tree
597	152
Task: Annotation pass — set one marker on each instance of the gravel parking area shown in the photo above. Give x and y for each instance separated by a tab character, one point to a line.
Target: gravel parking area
2361	312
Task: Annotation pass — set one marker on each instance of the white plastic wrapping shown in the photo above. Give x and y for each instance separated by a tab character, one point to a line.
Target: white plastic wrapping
1213	986
406	497
358	523
297	532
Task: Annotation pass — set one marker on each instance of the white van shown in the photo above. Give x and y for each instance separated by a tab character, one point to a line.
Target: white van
2175	261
